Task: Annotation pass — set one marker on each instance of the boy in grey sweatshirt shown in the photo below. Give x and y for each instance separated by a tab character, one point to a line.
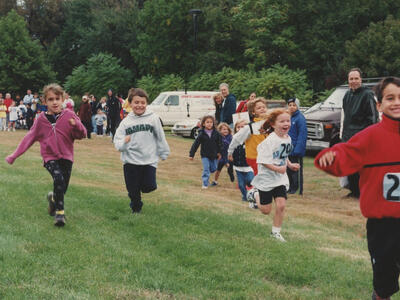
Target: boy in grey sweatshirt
141	140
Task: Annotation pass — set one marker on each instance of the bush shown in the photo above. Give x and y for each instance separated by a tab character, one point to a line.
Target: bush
100	73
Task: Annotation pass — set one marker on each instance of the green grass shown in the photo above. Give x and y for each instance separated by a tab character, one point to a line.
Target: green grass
173	250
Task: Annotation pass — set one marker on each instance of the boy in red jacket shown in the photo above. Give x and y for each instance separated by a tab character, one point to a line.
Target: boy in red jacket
375	153
56	131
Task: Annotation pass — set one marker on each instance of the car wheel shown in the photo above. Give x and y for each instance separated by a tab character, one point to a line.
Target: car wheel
194	133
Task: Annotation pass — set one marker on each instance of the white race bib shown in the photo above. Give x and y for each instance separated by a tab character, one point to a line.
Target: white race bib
391	187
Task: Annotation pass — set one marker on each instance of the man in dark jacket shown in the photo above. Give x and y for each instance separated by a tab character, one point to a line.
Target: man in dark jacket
298	134
113	112
358	112
228	105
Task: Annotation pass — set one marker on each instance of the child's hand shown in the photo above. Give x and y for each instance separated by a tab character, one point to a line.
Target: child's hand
72	122
190	158
281	169
127	139
327	159
219	156
294	166
230	157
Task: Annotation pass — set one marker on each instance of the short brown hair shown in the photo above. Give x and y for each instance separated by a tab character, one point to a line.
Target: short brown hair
355	70
55	88
203	120
380	87
137	92
252	103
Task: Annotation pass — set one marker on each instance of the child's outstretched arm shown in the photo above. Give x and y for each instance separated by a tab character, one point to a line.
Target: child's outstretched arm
24	145
78	130
162	145
238	138
195	146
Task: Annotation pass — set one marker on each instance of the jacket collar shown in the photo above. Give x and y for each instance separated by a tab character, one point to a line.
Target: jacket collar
390	123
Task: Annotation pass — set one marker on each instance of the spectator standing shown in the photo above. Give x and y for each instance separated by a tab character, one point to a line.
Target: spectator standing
28	98
68	102
242	107
17	99
30	116
85	114
298	134
3	115
100	118
114	108
93	106
7	102
35	101
228	105
13	116
358	112
218	106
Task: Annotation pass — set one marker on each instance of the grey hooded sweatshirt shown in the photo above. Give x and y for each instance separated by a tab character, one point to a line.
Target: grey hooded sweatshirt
147	142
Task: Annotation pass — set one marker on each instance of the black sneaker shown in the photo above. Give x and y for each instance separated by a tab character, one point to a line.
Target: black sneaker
59	220
52	206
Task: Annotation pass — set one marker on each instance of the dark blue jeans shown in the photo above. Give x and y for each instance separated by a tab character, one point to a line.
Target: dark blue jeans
244	178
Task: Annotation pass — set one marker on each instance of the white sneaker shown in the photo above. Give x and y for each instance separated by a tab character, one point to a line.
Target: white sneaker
204	187
251	195
278	236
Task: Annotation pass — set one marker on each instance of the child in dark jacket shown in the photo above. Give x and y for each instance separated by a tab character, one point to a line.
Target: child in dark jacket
211	148
226	134
244	172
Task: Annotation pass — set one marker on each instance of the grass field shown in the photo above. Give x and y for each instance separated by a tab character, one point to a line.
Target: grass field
187	243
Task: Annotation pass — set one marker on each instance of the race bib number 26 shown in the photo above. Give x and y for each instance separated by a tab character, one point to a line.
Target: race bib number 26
391	187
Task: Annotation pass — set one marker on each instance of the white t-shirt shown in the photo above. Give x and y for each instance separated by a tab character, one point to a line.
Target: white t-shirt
13	113
274	150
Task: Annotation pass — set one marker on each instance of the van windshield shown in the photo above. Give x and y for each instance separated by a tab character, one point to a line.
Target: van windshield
335	99
160	98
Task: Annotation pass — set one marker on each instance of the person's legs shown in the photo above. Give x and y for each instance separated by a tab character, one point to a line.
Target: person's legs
94	127
220	165
353	184
280	204
301	176
132	177
293	176
241	179
99	130
148	179
230	172
384	248
206	171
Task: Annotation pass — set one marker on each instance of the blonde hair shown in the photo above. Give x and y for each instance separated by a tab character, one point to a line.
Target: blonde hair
215	96
223	124
252	104
271	119
55	88
239	122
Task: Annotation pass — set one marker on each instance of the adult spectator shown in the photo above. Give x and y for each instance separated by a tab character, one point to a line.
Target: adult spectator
228	104
218	106
68	102
358	112
113	107
28	98
7	102
85	114
242	107
94	103
298	134
17	99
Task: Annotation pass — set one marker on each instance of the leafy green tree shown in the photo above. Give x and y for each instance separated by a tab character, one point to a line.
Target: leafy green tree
375	50
100	73
6	6
22	60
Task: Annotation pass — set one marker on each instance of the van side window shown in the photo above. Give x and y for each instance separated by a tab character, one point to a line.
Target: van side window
172	100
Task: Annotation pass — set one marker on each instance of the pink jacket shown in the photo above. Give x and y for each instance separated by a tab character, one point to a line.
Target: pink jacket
55	143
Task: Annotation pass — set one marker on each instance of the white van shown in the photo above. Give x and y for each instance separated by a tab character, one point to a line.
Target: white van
176	106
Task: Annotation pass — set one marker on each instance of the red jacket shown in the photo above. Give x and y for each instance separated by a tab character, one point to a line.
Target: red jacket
242	106
55	142
7	103
373	152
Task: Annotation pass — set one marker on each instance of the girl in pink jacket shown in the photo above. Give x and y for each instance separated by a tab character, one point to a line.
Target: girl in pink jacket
56	131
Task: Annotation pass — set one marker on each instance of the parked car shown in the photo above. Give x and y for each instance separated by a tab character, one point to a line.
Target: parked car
186	128
177	106
323	119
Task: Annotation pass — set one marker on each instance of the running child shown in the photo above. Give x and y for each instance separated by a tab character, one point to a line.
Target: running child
211	148
56	131
374	153
226	133
141	140
244	172
251	135
272	181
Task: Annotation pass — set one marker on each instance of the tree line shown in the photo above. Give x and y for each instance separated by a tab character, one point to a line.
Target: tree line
93	45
